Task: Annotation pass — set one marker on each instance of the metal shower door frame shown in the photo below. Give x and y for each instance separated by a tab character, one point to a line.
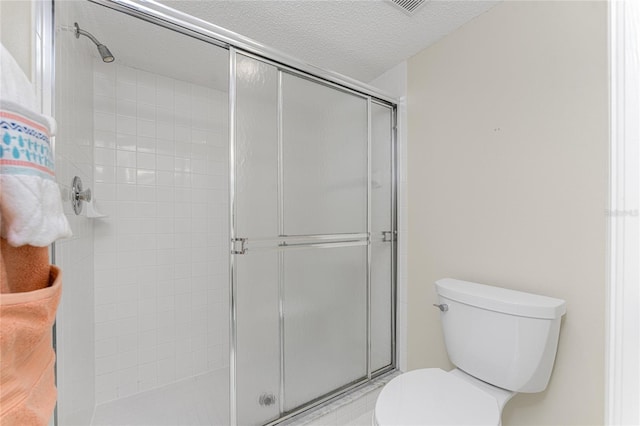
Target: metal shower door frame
309	240
337	239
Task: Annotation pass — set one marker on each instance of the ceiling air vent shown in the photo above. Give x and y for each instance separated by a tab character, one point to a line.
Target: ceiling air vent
408	6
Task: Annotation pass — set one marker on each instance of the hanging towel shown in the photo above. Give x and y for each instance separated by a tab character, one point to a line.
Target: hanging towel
30	201
28	393
31	218
23	269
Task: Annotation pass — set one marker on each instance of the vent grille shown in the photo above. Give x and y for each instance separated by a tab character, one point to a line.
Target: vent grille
408	6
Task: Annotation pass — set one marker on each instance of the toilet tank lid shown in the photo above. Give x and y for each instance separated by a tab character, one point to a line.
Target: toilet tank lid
501	299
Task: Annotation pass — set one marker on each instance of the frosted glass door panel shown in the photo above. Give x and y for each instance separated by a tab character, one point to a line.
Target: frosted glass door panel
258	347
256	273
325	321
256	148
381	244
325	159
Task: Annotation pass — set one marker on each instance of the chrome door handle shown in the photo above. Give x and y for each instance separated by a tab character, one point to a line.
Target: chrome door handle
388	236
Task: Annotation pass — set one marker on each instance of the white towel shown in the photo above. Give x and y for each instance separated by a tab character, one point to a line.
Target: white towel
30	201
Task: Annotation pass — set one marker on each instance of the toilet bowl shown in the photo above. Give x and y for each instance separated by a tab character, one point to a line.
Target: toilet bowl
432	396
502	341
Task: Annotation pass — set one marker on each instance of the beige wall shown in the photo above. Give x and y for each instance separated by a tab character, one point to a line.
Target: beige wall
508	137
16	31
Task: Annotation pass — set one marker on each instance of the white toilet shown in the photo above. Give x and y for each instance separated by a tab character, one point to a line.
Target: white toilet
501	341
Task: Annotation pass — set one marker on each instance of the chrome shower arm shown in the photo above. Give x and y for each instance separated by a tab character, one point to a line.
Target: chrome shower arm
85	33
104	51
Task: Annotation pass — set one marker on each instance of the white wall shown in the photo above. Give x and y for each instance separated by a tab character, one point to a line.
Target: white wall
17	32
161	176
74	157
508	181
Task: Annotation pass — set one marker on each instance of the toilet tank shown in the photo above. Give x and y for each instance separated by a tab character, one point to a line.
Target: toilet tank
504	337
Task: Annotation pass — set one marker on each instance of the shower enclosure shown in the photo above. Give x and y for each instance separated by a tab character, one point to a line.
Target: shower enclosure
238	266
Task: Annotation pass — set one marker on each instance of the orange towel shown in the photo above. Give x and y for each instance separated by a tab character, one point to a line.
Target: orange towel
24	268
27	387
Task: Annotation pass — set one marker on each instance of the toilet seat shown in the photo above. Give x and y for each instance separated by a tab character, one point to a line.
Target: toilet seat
432	396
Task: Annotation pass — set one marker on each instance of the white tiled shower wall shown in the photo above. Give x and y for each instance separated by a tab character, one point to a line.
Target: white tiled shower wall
161	268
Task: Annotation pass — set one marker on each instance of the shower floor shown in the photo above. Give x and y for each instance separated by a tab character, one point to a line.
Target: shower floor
200	400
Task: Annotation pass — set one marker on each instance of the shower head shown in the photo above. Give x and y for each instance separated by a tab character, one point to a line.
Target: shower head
104	51
106	54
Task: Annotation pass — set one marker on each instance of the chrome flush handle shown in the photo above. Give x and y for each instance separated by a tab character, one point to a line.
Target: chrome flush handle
443	307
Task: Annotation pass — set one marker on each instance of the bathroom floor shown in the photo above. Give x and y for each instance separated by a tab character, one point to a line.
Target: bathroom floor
200	400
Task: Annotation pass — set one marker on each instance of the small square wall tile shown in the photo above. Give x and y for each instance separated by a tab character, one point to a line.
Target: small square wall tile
105	347
105	191
126	74
126	125
147	355
126	142
146	79
107	364
126	91
146	144
127	359
147	322
147	193
126	159
127	175
104	157
146	177
104	174
126	107
104	86
126	192
104	104
146	94
146	128
127	342
165	130
146	160
105	313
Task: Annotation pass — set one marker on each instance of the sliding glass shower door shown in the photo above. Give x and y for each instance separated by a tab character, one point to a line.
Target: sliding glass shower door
303	286
324	161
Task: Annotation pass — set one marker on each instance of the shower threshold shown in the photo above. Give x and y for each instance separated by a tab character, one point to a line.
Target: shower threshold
344	408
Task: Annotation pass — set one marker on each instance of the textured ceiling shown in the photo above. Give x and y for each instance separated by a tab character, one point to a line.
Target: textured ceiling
361	39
